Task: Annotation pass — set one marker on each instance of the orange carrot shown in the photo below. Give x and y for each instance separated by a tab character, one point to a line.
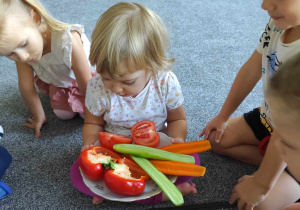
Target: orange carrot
188	147
178	168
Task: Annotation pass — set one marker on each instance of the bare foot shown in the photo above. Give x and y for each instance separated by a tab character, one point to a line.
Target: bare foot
97	200
185	189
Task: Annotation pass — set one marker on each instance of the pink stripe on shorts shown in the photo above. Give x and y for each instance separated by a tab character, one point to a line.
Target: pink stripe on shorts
68	99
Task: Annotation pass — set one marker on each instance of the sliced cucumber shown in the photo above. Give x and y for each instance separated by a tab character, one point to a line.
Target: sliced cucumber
161	180
152	153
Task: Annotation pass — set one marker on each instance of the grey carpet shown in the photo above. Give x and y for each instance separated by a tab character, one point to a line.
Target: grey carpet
210	41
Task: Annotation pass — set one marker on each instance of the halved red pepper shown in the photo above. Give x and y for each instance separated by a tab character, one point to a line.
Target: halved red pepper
121	182
135	170
92	161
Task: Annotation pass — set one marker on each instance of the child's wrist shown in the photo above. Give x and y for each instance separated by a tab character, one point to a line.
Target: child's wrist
263	182
225	117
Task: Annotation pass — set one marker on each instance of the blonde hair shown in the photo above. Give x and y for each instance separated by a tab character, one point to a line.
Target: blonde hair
285	85
131	33
20	11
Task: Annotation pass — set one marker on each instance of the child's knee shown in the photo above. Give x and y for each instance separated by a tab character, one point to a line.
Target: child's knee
218	147
64	115
82	115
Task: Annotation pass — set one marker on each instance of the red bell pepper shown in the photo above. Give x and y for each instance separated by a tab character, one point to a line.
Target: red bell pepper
108	139
93	161
135	170
121	182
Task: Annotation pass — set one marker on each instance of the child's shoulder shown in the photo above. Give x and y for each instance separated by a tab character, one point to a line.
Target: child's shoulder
167	76
95	84
64	37
96	80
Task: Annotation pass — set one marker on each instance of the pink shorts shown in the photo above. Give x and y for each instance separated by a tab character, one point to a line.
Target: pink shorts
67	99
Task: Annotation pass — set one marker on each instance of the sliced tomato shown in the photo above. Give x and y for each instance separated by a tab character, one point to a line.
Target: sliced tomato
146	139
145	125
92	161
135	170
108	139
144	133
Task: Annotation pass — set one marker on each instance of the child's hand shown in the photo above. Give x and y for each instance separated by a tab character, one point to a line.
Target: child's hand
248	193
177	140
36	124
218	124
86	147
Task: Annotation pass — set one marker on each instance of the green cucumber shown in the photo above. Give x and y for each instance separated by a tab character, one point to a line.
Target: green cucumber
161	180
152	153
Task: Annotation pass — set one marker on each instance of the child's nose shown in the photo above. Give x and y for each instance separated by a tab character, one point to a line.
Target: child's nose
268	5
117	88
23	56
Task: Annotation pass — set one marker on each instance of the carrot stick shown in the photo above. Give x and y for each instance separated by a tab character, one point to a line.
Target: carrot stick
188	147
178	168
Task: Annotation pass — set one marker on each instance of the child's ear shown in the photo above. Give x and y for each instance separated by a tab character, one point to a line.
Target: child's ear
35	16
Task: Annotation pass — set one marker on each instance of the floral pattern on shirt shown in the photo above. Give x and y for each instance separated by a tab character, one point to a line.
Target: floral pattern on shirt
121	113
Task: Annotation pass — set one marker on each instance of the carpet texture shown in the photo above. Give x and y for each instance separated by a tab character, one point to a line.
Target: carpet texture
210	41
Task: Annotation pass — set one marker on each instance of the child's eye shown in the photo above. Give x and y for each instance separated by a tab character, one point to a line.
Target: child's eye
25	44
129	83
10	54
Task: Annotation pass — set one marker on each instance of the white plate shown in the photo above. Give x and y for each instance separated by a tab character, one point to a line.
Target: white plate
151	188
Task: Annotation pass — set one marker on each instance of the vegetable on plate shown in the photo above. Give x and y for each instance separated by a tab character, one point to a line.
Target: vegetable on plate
135	170
144	133
161	180
188	147
94	160
108	139
178	168
152	153
120	181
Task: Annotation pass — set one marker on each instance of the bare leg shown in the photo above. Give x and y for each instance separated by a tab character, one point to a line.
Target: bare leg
64	115
238	142
284	193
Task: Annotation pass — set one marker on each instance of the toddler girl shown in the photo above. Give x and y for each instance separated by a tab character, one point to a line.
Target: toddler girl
134	83
48	53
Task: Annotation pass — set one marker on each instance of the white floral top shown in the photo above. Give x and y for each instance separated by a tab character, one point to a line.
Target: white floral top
121	113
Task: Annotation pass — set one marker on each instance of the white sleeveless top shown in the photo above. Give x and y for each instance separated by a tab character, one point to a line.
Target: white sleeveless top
55	67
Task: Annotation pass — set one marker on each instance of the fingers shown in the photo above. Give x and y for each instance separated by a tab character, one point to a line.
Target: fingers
37	131
86	147
240	205
34	125
233	198
177	140
205	132
218	137
202	132
243	178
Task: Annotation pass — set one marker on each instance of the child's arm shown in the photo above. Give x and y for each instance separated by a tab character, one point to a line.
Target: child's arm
177	125
80	63
31	97
245	81
91	128
252	190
